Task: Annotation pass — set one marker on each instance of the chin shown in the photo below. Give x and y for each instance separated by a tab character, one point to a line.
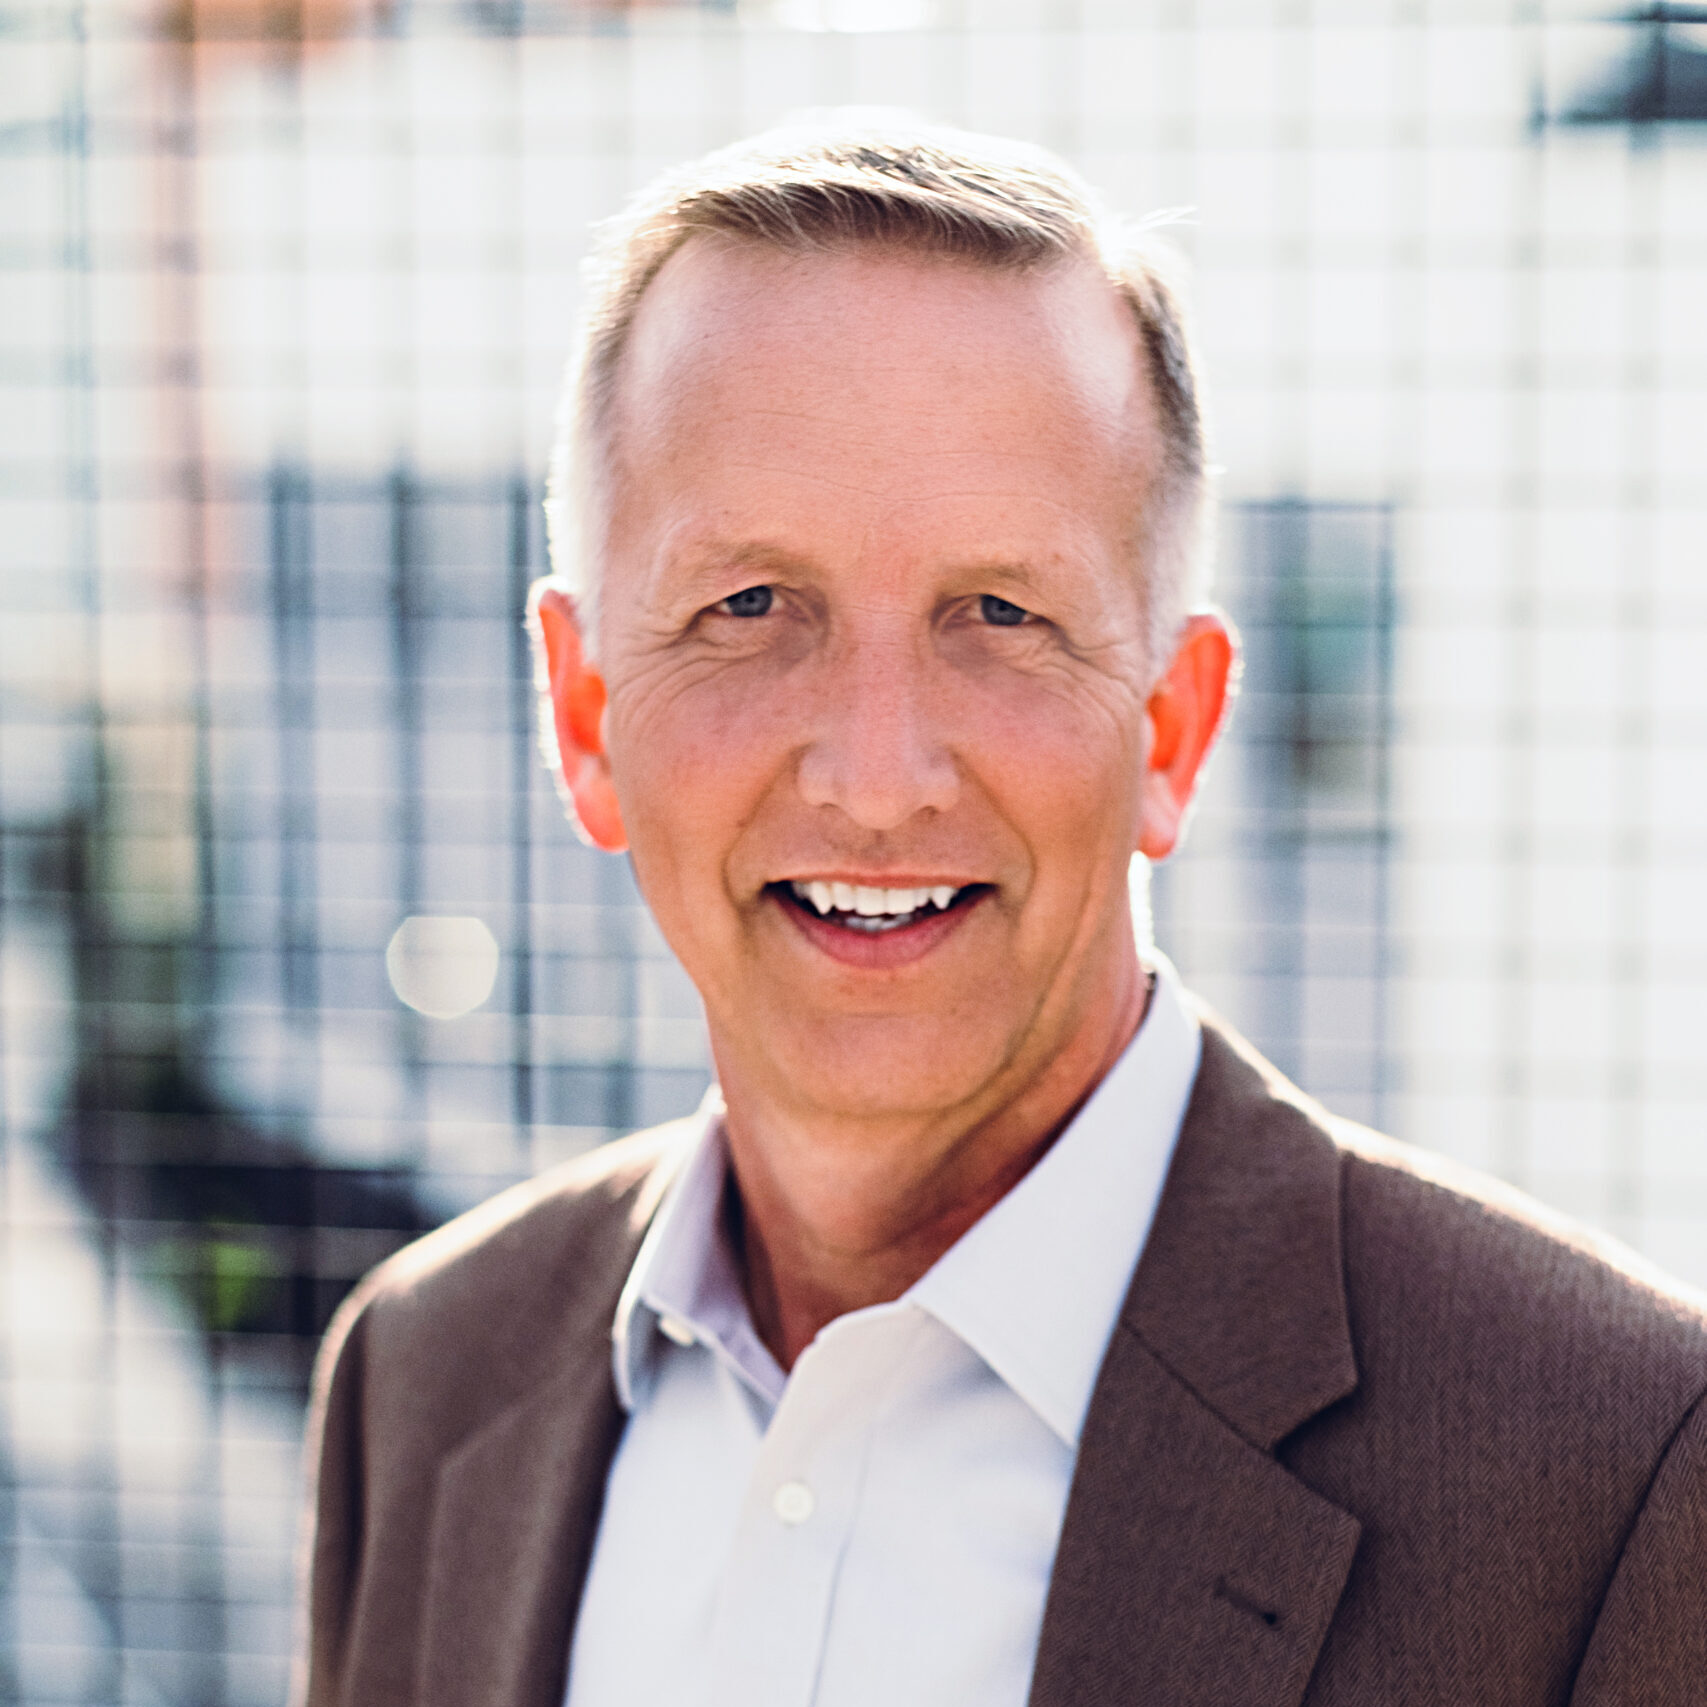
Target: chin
863	1074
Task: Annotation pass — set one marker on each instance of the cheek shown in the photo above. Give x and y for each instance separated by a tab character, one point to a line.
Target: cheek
1062	758
691	759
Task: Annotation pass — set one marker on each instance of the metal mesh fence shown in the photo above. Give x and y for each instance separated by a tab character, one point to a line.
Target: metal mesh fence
297	956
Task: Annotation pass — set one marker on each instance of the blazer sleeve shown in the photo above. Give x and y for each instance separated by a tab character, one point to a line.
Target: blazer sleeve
1650	1641
333	1520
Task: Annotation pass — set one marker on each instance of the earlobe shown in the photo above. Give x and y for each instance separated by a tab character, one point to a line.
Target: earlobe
1186	711
577	693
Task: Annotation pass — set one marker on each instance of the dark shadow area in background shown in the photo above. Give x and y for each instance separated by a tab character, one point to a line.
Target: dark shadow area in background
1661	77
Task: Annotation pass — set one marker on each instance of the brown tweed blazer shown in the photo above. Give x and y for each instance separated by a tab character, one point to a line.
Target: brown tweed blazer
1369	1431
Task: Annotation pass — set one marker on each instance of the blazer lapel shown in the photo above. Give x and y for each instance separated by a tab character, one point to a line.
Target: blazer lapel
513	1524
1193	1568
516	1504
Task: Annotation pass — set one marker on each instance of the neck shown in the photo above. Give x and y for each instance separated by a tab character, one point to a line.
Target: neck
821	1228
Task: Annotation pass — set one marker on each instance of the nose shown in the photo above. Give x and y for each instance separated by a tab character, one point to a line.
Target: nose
878	750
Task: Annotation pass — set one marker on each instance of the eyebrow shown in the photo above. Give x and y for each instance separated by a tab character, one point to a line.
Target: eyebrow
1000	570
709	560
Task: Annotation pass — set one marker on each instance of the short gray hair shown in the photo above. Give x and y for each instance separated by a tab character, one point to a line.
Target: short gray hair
831	183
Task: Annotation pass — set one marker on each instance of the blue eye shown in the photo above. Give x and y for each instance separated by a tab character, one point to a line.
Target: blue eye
1000	612
750	601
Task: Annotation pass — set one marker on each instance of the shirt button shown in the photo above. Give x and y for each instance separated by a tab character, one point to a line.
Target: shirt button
793	1502
674	1328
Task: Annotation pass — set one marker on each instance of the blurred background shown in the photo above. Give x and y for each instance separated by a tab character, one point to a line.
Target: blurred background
297	956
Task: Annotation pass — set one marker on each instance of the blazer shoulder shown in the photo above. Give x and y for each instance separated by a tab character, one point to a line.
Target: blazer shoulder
541	1260
594	1195
1471	1260
1444	1269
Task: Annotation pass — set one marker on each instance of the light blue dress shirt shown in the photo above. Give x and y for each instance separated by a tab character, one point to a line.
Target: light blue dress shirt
876	1528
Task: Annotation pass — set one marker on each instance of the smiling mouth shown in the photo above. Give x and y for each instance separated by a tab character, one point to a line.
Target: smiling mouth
859	907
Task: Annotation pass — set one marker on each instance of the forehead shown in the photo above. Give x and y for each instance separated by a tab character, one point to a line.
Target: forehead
717	295
902	348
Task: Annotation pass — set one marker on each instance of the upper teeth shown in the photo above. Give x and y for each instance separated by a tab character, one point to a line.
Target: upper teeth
871	903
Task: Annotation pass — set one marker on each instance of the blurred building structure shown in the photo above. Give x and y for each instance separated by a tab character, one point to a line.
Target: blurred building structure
297	956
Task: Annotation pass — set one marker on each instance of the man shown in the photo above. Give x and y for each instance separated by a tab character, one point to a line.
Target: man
1005	1330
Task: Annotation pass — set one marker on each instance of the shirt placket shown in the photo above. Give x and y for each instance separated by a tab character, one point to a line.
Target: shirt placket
800	1512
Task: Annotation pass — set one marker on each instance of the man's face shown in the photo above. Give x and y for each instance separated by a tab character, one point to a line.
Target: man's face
873	634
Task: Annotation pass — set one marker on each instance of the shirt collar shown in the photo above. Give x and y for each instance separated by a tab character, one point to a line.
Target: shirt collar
684	1283
1034	1287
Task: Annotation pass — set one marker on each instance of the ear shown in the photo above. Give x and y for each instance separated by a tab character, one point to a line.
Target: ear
577	693
1186	711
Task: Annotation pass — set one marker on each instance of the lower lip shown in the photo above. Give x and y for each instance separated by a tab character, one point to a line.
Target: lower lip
878	950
